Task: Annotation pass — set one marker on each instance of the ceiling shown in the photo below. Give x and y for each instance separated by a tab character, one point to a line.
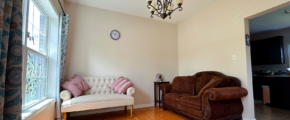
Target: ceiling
271	21
139	8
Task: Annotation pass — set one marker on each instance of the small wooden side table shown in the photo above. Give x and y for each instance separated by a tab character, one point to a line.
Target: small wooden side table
155	85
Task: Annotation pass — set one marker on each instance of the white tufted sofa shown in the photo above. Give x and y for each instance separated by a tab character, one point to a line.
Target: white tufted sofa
98	97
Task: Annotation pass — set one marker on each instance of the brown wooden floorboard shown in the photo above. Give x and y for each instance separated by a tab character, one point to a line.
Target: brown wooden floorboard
149	113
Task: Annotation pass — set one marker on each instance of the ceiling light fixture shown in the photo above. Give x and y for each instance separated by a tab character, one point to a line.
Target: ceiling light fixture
164	8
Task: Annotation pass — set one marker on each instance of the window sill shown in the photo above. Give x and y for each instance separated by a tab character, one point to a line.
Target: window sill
29	113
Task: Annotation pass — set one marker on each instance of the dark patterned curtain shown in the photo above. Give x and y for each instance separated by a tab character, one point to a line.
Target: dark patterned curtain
11	59
64	31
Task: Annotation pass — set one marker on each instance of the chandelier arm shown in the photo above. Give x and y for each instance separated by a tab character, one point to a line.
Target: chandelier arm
180	9
167	6
159	4
154	8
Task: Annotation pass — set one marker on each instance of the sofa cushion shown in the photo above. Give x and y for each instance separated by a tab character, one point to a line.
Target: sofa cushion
191	100
234	82
225	82
90	102
100	85
122	89
76	85
203	78
183	85
173	97
212	84
112	86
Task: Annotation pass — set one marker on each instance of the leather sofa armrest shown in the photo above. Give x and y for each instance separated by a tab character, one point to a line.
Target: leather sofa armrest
226	93
165	88
65	95
130	91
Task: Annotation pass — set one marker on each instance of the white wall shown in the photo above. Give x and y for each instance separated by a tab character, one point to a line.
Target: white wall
146	47
268	34
207	41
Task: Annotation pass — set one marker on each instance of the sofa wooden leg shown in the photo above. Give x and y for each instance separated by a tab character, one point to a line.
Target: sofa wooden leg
131	111
64	115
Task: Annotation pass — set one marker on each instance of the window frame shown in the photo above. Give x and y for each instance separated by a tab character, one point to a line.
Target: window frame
25	49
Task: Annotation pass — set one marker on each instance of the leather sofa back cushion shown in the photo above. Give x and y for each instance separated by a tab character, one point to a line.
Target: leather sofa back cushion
211	84
183	85
202	79
225	82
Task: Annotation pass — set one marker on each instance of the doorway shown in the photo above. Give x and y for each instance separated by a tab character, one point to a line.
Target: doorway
269	54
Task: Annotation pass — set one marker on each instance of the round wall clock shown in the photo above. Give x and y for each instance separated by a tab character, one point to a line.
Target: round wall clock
115	35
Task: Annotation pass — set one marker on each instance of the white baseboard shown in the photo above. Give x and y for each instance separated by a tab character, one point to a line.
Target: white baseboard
249	119
108	110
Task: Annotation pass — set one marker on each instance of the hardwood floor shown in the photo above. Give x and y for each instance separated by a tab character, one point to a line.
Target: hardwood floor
150	113
262	112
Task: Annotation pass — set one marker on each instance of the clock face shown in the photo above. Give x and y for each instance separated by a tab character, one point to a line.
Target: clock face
115	35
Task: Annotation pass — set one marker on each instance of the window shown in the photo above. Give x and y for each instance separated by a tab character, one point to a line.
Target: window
35	50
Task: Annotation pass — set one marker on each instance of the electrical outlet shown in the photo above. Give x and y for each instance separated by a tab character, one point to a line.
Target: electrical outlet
234	57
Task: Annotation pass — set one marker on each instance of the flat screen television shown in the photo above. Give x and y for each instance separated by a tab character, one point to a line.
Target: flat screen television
267	51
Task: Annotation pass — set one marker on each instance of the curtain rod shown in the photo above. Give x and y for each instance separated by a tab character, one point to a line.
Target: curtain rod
61	8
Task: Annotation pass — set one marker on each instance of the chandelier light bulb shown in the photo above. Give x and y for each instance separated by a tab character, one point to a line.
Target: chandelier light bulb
170	6
154	4
149	1
179	2
152	9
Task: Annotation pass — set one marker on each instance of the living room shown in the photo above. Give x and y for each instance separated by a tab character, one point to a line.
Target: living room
67	39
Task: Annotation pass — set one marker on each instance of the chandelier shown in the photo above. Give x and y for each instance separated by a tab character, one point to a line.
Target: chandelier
163	9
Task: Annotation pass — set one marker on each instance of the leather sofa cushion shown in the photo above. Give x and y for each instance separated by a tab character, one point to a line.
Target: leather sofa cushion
225	82
191	100
203	78
173	97
186	105
183	85
234	82
212	84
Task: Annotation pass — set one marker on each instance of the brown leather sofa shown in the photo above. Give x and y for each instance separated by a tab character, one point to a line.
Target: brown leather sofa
205	96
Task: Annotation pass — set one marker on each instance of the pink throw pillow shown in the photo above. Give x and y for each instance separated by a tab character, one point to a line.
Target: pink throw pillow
73	88
121	85
124	87
76	85
116	82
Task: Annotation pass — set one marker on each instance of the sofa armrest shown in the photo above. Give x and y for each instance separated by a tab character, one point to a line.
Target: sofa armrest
165	88
130	91
226	93
65	95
